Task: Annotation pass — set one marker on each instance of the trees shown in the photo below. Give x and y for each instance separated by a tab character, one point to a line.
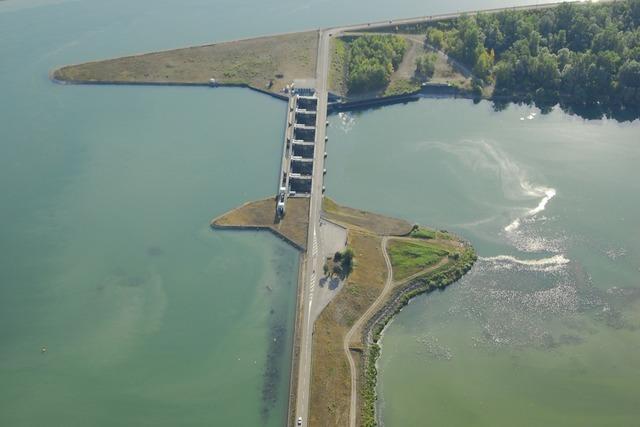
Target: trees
425	66
629	74
342	263
372	60
435	38
629	80
484	64
582	55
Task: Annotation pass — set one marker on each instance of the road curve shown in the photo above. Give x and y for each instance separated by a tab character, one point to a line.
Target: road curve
356	326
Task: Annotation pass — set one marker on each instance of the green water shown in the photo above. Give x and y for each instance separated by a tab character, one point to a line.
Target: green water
545	329
149	317
106	257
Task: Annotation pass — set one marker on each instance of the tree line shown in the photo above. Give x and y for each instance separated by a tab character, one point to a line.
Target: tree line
372	60
585	57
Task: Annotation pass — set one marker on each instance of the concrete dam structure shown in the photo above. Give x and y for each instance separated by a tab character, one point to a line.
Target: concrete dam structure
299	149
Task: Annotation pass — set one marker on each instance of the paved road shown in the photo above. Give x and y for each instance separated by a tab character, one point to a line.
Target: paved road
313	259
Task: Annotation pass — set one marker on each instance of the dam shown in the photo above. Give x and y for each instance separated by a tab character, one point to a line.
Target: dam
296	175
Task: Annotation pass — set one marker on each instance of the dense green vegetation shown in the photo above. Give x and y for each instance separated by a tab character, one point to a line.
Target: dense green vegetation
425	66
422	232
584	56
372	60
409	257
401	86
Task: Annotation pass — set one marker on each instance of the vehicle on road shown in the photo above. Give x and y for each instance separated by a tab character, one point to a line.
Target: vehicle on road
299	421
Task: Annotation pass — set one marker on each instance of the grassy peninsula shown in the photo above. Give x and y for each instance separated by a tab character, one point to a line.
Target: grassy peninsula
265	63
369	298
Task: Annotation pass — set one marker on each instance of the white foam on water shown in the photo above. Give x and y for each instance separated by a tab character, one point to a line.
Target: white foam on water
347	122
546	193
513	226
507	262
488	158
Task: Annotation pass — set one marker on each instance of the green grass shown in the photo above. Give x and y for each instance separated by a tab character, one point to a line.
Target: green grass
424	233
409	257
430	233
338	70
401	86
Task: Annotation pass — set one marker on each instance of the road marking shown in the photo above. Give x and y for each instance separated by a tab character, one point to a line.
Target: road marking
315	242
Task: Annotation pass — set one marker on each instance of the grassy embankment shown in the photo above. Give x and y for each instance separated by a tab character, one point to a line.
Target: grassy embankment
261	215
403	78
330	385
265	63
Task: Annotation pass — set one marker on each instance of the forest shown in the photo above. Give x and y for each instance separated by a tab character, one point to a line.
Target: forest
585	57
372	60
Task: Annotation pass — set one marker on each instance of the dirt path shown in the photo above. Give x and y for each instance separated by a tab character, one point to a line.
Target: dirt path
407	67
356	327
388	286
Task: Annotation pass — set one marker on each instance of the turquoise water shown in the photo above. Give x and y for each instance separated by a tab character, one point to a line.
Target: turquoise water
148	316
545	329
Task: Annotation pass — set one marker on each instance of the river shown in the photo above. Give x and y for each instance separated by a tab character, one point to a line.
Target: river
545	329
149	317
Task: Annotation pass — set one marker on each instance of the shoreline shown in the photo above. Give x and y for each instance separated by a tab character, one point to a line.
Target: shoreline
295	342
375	326
276	233
55	80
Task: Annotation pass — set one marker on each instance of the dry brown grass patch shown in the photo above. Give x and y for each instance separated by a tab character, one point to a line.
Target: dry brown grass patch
330	383
365	221
255	62
261	214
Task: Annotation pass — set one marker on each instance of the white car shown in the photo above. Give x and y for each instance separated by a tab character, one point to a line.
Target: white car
299	421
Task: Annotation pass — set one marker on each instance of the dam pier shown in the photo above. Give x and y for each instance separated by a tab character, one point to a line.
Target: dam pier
298	154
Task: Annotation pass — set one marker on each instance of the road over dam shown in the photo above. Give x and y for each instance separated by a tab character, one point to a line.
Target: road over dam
313	260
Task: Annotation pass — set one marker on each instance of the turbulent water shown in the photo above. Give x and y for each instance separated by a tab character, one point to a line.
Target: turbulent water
545	329
148	317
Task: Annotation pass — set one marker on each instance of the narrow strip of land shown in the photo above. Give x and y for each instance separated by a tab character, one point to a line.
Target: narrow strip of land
356	328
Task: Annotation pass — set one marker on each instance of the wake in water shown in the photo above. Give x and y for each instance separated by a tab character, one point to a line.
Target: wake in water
508	262
516	184
534	191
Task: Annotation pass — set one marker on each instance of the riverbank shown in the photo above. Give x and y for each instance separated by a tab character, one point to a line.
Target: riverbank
439	277
342	347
